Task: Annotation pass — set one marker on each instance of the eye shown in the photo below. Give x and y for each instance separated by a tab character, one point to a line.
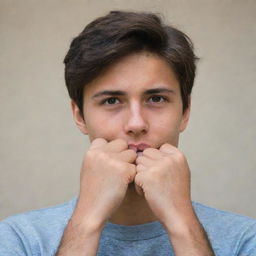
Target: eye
110	101
157	99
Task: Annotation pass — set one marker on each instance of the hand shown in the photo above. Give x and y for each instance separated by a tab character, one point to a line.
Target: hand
106	172
163	176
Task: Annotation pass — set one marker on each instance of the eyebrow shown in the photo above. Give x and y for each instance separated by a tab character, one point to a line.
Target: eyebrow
122	93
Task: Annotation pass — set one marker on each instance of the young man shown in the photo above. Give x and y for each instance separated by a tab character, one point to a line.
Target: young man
130	80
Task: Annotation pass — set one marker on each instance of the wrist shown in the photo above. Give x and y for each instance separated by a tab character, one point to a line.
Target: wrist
81	236
85	215
181	220
187	234
86	221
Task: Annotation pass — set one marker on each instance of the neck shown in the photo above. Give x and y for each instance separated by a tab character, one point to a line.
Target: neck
134	210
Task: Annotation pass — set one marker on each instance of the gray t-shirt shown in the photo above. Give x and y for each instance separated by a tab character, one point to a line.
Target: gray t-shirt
39	233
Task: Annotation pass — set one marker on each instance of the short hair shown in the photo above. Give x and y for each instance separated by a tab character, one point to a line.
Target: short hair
107	39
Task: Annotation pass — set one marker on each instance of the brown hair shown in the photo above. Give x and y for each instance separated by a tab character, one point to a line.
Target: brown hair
119	33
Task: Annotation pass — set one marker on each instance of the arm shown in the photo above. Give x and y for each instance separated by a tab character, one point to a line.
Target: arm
80	238
163	177
99	195
188	236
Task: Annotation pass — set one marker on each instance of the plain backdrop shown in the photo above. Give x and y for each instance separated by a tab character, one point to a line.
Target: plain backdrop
41	149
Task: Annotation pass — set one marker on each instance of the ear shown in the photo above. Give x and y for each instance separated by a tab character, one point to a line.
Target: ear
79	120
185	117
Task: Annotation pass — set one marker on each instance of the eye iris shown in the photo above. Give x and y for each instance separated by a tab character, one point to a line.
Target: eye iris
111	101
156	98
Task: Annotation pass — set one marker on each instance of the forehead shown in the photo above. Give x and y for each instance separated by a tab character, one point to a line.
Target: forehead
135	73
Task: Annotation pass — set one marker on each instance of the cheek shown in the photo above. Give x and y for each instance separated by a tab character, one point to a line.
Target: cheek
166	128
102	126
166	122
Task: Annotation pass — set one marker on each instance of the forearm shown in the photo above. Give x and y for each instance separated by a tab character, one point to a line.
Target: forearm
189	238
80	238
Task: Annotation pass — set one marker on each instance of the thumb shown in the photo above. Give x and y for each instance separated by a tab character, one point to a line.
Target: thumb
138	188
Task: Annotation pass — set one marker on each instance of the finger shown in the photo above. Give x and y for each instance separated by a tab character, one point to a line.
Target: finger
152	153
139	190
138	185
116	145
97	143
168	149
145	161
132	172
140	168
128	155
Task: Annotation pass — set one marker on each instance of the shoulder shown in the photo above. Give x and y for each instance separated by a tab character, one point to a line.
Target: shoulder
37	229
50	215
213	216
234	230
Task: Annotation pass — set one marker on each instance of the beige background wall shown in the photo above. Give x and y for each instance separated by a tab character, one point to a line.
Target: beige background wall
41	149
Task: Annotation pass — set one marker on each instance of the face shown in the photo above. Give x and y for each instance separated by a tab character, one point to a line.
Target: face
137	99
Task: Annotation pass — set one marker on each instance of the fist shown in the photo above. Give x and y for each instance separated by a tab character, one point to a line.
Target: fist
163	176
106	171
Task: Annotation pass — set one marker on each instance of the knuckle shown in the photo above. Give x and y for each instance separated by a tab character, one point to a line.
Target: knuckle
116	165
126	168
131	153
100	156
167	160
127	172
180	156
133	171
150	178
166	146
139	167
121	142
90	154
96	155
149	151
138	179
138	160
131	168
98	140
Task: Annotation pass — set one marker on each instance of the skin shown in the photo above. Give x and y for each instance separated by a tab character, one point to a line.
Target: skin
118	185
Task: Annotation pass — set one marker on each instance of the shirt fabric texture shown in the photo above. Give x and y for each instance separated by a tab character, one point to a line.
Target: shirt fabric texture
39	232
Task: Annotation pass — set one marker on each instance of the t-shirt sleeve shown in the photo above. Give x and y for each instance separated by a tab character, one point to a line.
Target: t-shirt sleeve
248	246
11	243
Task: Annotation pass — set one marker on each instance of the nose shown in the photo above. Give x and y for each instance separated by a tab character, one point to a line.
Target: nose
136	123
